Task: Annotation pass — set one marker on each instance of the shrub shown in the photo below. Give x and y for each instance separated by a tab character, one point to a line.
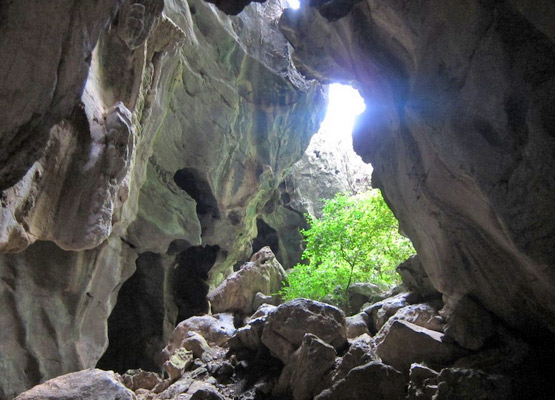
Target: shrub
355	240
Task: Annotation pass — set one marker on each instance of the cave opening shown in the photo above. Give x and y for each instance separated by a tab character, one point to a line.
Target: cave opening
136	324
267	236
189	277
163	291
345	104
197	186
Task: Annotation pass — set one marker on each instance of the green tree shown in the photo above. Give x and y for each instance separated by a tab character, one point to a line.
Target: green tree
355	240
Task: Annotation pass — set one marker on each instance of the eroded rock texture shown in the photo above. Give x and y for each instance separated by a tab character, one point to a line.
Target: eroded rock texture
137	129
459	130
154	143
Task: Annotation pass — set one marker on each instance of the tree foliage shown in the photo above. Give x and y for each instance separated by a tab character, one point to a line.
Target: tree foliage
355	240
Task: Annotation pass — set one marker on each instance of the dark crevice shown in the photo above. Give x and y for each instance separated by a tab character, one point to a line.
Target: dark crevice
267	236
135	327
188	279
197	186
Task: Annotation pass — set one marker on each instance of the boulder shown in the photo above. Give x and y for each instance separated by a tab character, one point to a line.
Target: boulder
467	322
304	374
198	346
215	329
89	384
361	352
381	311
422	382
178	362
286	326
357	325
248	336
237	293
401	343
371	381
139	379
423	315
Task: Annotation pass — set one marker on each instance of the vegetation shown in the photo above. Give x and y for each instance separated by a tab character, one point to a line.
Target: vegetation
355	240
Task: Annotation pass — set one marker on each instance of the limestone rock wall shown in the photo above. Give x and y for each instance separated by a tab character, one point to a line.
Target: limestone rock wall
459	130
130	129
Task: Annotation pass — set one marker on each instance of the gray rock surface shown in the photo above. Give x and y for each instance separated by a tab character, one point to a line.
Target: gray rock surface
380	312
89	384
401	343
303	376
145	132
462	140
373	380
287	325
237	293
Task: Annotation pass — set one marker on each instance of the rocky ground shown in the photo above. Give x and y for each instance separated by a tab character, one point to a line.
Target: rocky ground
406	346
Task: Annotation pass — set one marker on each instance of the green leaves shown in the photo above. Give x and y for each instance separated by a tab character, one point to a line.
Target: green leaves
356	240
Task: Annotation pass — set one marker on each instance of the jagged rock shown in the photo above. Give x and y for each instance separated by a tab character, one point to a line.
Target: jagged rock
361	351
286	326
424	315
127	150
381	311
467	322
415	278
356	325
237	293
179	361
401	343
423	382
216	329
90	384
330	161
139	379
373	380
303	376
198	346
248	336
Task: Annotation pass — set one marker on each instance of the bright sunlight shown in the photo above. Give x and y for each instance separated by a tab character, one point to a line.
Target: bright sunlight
345	104
294	4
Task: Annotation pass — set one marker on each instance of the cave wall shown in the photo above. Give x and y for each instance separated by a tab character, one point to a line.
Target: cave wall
105	102
459	129
168	128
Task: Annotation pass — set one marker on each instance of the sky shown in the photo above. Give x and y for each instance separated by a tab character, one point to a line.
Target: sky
293	4
345	103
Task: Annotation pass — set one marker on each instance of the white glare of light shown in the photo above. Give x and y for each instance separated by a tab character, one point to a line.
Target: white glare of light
294	4
345	104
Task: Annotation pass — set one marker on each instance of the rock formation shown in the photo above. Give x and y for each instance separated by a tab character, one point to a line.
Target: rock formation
153	135
152	138
459	130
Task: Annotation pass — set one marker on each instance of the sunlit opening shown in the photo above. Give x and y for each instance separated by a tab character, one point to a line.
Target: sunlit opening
345	104
294	4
